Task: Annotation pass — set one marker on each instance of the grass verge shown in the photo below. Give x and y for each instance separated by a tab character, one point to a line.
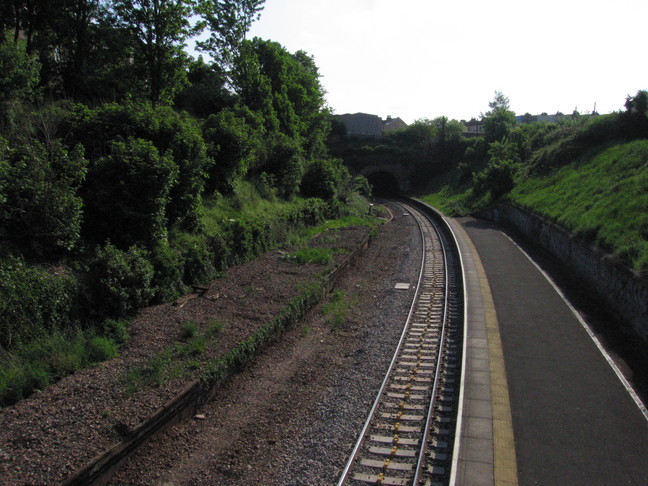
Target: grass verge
602	198
32	367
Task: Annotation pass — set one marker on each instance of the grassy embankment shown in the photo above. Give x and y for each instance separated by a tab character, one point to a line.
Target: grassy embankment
601	195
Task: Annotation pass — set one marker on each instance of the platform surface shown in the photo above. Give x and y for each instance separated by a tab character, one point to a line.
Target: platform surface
571	421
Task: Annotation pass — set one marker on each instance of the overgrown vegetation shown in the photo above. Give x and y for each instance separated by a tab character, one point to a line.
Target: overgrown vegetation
601	196
178	360
34	365
587	173
318	256
129	171
336	309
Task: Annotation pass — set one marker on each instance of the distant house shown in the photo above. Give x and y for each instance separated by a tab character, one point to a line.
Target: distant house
391	124
474	128
364	125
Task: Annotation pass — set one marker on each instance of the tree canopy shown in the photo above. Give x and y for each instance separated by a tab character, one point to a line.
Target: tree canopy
499	121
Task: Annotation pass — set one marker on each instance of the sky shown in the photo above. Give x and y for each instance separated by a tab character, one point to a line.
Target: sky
418	59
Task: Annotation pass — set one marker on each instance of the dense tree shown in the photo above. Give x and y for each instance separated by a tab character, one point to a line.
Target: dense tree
284	89
447	130
325	178
499	121
126	195
66	41
529	118
207	92
284	164
422	132
227	22
498	177
159	30
635	118
168	130
18	72
234	140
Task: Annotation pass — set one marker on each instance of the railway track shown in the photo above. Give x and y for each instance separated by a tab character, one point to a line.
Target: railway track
409	434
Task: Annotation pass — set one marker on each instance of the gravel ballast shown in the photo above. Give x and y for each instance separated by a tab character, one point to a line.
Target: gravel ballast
293	417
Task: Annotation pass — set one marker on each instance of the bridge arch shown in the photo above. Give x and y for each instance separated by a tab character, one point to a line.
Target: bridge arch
386	178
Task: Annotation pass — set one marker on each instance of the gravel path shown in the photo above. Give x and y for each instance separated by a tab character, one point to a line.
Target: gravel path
293	416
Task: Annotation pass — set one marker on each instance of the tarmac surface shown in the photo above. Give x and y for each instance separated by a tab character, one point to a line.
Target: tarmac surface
559	413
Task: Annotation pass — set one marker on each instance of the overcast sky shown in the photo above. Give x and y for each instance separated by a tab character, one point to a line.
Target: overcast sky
426	58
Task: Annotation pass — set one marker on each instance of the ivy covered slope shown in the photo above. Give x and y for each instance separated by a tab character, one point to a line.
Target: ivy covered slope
130	172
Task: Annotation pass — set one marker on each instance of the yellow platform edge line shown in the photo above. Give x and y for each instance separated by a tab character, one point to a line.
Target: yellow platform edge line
505	466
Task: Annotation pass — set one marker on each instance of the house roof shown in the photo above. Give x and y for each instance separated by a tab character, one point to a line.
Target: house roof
366	125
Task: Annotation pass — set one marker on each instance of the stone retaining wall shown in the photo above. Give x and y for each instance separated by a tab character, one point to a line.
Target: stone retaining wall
621	289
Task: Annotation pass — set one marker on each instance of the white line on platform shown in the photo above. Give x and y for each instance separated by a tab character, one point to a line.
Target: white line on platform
608	358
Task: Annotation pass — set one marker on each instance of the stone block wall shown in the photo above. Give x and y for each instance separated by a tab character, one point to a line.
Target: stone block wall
624	291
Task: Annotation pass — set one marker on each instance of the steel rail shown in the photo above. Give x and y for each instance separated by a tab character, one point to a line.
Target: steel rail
436	289
439	359
365	428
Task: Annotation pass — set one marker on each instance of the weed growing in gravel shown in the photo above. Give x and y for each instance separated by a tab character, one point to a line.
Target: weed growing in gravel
189	330
369	221
34	366
195	347
319	256
214	328
177	360
336	309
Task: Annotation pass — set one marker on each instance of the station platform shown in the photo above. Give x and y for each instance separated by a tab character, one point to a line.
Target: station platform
541	403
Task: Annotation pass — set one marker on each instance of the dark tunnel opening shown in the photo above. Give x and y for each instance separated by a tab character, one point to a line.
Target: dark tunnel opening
384	184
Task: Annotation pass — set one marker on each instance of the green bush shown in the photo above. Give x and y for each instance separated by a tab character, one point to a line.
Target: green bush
18	381
173	134
34	300
40	210
115	329
361	186
234	140
119	281
285	163
101	349
325	179
126	195
195	253
19	72
497	178
168	272
41	362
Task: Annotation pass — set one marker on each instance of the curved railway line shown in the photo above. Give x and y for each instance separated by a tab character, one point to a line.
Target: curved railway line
409	434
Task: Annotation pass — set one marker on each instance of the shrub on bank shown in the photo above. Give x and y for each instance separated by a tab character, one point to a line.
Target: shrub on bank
34	301
35	365
119	282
